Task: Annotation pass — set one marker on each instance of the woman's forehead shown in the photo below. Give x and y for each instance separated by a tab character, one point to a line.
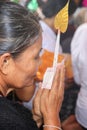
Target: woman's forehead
36	46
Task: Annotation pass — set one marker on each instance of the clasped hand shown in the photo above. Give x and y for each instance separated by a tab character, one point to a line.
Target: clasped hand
47	103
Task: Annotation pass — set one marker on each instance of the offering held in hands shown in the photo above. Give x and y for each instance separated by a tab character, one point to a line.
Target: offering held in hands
61	24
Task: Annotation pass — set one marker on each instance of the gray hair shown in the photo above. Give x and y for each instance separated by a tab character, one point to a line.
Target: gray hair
19	28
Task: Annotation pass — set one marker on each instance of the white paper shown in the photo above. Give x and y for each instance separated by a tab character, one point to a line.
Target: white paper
50	72
48	78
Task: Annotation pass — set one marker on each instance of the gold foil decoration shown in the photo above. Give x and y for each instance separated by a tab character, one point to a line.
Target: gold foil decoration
61	19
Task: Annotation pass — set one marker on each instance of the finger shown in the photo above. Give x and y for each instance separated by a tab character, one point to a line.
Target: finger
62	75
62	78
38	120
36	100
56	80
39	91
58	83
61	86
45	95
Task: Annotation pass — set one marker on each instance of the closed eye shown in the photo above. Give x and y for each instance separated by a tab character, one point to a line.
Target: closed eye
39	54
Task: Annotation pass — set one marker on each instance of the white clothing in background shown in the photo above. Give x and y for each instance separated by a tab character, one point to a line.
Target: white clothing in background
79	63
48	38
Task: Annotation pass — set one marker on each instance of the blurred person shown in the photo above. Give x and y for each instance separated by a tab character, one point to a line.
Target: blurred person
49	10
79	54
77	45
78	121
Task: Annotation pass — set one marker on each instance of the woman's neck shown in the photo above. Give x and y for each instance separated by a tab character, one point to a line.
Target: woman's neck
3	88
3	91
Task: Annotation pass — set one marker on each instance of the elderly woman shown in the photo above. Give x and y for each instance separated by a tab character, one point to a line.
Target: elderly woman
20	45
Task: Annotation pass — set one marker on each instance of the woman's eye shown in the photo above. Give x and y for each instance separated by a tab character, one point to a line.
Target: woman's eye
37	57
39	54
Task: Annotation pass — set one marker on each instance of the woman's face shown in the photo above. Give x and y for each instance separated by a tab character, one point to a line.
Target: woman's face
23	69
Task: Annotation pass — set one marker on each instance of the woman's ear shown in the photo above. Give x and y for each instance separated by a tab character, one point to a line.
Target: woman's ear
5	60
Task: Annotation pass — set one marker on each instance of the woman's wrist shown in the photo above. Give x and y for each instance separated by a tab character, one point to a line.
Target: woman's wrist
53	121
51	127
52	124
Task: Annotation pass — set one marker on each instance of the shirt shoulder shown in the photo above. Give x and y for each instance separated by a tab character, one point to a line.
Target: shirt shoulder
14	116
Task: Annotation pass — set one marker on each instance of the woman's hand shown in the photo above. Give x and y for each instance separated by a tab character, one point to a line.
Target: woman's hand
47	103
37	115
51	100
